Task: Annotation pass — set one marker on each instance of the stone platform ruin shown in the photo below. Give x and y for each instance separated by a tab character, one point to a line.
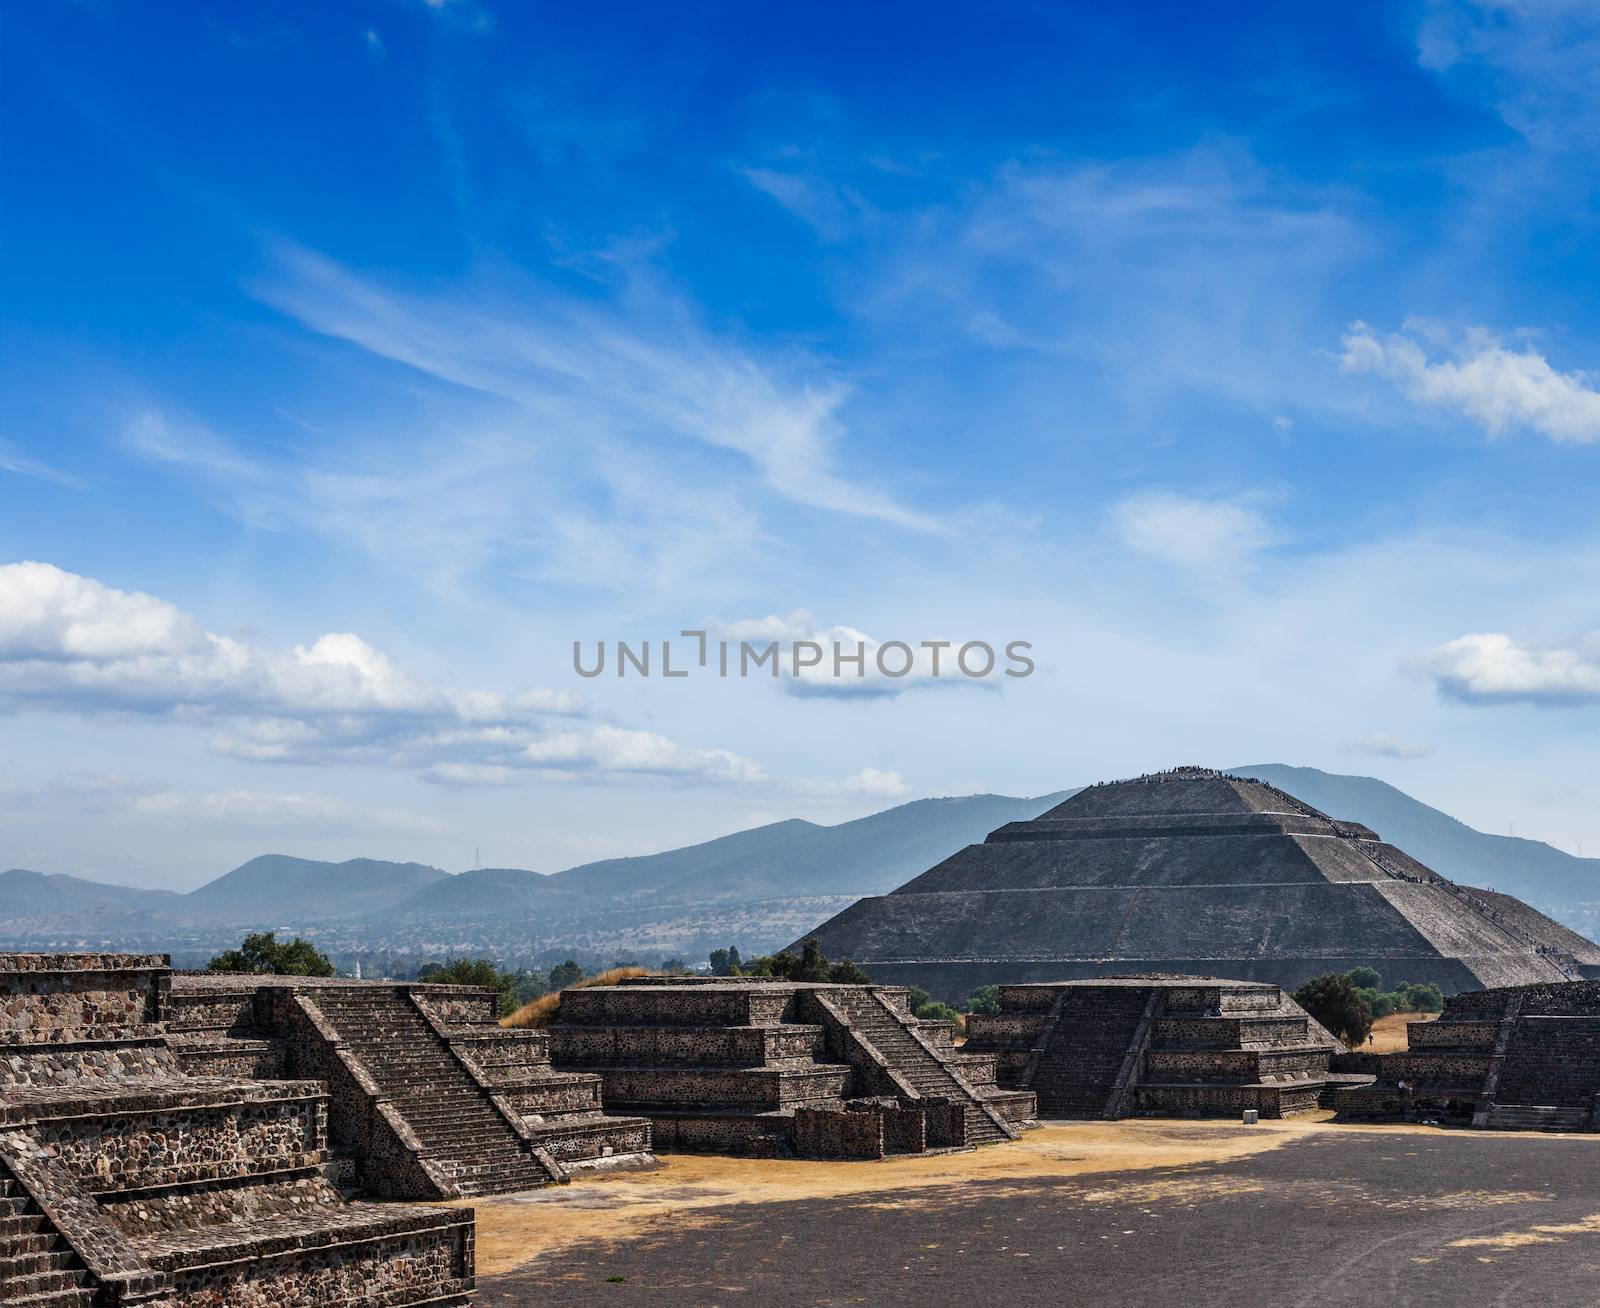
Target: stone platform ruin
1517	1058
1149	1046
429	1097
1195	872
773	1068
123	1180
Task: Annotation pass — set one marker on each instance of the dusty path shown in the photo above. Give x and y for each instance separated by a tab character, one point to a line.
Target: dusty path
1137	1213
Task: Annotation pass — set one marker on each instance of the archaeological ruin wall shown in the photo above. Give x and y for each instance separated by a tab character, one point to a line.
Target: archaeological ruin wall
125	1180
778	1068
1181	1046
429	1096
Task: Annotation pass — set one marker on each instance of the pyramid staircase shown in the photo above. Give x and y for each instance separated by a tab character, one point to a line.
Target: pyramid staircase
908	1054
38	1268
1078	1067
475	1146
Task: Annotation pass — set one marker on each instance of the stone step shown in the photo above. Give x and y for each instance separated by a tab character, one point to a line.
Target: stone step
45	1282
27	1224
36	1263
76	1297
28	1242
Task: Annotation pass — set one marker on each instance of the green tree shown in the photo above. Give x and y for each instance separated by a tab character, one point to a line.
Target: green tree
1424	998
726	962
264	953
1380	1002
1335	1002
564	975
474	972
1365	978
985	999
934	1011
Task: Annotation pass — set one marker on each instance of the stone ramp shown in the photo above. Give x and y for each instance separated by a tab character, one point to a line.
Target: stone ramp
474	1147
907	1054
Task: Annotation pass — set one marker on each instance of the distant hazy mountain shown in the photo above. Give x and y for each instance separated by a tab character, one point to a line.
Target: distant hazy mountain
38	894
758	888
869	856
780	861
276	887
1528	869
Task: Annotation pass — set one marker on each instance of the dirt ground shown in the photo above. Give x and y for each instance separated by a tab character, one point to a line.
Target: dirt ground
1144	1213
512	1229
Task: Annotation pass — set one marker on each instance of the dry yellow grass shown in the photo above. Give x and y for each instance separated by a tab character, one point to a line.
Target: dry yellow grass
542	1011
1389	1033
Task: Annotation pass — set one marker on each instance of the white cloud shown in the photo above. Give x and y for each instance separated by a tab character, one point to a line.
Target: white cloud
869	783
71	643
1500	388
1217	536
1385	745
929	661
1492	668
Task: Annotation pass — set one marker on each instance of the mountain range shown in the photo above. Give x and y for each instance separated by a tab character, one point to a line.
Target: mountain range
757	888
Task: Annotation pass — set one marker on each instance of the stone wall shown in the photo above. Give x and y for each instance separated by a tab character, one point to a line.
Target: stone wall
838	1133
138	1145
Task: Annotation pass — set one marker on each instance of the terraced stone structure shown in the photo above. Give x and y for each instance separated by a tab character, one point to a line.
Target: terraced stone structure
1180	1046
1200	873
771	1068
1517	1058
430	1097
125	1181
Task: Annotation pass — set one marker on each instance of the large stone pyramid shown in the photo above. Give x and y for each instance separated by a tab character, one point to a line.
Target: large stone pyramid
1198	873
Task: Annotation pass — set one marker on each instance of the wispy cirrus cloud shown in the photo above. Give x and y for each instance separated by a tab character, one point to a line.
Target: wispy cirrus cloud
1535	60
15	461
1493	668
640	375
1500	388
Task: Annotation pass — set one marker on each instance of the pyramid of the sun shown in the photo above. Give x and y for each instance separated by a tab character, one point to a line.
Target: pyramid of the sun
1199	873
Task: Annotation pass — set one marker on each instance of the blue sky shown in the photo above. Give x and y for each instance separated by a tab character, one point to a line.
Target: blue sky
360	358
